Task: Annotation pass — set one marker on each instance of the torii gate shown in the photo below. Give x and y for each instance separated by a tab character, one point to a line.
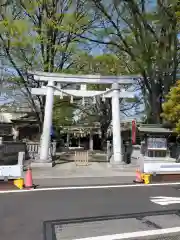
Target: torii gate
53	87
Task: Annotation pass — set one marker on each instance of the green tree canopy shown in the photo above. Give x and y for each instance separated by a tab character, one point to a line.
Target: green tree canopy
171	107
100	111
145	34
136	37
41	35
63	114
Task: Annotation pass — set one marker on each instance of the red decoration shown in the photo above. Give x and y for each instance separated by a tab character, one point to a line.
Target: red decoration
133	132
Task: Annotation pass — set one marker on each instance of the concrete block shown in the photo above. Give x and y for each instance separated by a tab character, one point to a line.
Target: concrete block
42	164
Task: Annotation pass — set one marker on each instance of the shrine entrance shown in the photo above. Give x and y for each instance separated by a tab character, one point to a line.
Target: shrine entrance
51	85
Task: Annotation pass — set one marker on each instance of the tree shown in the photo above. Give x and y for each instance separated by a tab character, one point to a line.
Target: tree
146	35
63	114
177	10
40	35
100	110
171	107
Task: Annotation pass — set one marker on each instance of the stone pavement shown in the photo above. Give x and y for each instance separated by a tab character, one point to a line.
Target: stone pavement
81	181
68	174
70	170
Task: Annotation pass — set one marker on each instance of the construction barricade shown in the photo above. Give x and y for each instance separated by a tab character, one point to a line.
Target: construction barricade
81	158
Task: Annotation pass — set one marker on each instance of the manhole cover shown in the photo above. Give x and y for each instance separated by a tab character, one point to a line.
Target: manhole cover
170	237
121	225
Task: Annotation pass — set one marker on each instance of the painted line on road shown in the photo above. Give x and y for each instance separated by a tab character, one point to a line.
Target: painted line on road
134	234
88	187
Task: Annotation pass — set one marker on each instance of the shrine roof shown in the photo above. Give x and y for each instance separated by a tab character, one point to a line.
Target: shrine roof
154	128
28	118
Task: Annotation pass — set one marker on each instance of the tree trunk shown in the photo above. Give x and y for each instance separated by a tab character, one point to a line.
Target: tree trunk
104	128
156	109
155	103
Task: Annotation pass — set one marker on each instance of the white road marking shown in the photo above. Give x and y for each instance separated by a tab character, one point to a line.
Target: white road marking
134	234
89	187
162	200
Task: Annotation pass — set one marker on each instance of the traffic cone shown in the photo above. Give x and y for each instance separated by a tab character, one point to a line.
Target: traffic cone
28	179
138	177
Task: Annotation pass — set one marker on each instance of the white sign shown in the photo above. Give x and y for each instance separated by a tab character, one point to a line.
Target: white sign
157	143
161	167
11	171
165	200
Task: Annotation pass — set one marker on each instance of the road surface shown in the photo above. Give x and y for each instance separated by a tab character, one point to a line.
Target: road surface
24	215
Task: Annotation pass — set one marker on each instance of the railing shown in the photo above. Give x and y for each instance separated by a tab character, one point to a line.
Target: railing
9	151
157	153
33	150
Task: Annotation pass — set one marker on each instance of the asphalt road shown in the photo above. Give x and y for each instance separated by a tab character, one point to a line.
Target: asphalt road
22	214
85	181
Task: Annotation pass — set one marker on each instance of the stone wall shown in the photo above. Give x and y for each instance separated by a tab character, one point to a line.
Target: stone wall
9	152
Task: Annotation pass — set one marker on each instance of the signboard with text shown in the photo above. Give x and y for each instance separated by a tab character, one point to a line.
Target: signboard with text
157	143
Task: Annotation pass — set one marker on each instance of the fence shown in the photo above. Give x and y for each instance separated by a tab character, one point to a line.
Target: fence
81	158
9	151
33	150
153	152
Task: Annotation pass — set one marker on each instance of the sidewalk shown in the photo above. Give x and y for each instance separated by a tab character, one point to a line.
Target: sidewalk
83	181
96	173
68	174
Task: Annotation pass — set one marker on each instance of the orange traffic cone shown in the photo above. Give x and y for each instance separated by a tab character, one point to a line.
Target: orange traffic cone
138	177
28	179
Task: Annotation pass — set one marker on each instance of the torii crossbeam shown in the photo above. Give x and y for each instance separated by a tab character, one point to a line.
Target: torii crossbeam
53	87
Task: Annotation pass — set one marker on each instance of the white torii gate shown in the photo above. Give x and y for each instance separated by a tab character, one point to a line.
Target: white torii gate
53	87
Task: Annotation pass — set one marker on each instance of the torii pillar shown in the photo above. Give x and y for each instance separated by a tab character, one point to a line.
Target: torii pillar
46	134
117	151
